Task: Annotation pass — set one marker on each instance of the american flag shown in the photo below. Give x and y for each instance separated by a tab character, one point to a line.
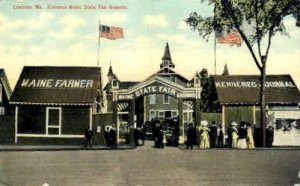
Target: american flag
230	37
111	33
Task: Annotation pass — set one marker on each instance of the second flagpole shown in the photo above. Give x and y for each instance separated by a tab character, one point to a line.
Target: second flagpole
98	56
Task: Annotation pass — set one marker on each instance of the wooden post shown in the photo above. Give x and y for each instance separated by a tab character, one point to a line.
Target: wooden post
91	118
131	121
253	115
180	121
16	124
223	122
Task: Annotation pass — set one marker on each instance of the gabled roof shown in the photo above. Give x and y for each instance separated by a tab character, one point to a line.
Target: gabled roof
244	89
57	85
122	85
127	84
170	73
5	83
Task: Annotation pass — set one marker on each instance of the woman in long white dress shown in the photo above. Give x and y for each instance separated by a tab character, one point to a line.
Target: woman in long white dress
234	135
204	137
250	140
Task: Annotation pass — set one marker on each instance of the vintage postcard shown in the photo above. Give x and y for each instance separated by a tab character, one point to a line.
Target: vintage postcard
149	92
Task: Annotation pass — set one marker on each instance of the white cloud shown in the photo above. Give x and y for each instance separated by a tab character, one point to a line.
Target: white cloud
22	37
156	20
40	22
69	23
114	18
181	40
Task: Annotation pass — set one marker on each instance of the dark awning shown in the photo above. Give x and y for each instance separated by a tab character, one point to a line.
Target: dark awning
57	85
244	89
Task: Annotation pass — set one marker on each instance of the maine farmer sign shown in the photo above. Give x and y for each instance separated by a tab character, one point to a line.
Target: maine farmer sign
57	83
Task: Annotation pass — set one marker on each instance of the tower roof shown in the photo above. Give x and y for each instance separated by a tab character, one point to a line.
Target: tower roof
110	71
167	54
225	71
166	59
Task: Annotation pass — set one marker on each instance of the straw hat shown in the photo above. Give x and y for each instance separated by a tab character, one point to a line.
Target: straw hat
204	123
233	123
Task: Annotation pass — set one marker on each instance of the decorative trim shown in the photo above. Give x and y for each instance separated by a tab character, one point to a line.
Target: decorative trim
50	136
53	104
155	79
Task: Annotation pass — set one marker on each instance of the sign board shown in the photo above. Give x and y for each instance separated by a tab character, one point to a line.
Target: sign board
57	83
254	84
157	88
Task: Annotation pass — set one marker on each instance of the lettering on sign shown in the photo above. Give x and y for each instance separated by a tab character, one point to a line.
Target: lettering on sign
57	83
155	89
149	90
253	84
125	96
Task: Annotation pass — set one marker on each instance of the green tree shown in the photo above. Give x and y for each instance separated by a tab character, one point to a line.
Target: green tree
257	21
208	93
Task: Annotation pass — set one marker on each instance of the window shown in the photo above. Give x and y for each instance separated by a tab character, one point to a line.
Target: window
197	81
114	83
161	114
53	120
174	114
2	111
152	99
152	115
166	99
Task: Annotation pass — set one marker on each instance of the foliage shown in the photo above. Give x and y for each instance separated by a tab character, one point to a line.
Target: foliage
253	19
208	93
257	21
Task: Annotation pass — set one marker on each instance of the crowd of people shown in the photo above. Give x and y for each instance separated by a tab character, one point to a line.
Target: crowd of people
207	136
212	136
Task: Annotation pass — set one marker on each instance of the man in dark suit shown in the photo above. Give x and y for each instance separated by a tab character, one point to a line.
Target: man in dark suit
213	134
191	135
113	136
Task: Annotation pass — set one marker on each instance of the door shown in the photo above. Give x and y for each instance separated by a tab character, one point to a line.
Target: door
53	121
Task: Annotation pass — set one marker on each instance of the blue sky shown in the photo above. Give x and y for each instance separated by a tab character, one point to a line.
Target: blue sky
50	37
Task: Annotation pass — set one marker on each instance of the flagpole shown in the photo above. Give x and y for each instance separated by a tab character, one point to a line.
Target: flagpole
99	43
215	56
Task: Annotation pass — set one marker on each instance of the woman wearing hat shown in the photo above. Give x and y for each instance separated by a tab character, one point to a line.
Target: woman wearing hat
234	135
204	137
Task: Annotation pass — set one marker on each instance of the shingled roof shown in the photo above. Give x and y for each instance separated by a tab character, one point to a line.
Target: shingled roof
57	85
244	89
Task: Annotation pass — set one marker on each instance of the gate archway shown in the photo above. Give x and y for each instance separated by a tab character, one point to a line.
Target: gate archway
128	99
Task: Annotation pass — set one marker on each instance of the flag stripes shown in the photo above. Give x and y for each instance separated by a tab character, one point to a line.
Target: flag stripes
111	33
230	37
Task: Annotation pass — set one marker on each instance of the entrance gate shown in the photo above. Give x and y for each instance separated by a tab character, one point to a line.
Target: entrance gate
155	85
